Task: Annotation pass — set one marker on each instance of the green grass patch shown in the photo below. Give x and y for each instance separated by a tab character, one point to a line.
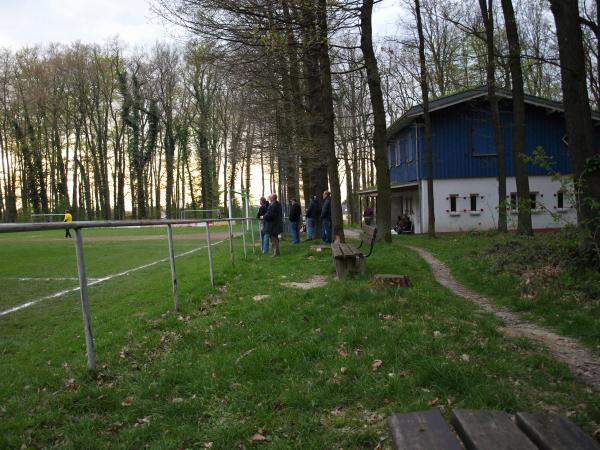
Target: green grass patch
296	366
542	277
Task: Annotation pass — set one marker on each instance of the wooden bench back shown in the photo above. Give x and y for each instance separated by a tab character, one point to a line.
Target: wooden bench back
367	237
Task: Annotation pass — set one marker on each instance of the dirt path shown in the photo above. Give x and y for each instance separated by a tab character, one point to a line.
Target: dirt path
580	360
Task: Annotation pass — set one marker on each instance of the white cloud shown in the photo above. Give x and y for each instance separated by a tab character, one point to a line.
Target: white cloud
31	22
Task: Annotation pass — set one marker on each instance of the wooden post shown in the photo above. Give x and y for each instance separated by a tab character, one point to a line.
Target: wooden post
85	306
230	242
210	257
173	273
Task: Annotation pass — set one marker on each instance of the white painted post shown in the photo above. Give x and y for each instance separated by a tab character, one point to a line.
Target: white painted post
173	273
230	204
210	257
247	209
85	306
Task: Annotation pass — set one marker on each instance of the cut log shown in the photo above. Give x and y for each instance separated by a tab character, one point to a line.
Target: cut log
391	280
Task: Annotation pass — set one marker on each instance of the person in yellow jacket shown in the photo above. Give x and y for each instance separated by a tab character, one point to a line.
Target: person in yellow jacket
68	218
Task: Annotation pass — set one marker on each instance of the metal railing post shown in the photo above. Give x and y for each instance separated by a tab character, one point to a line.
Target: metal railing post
231	242
244	239
210	258
173	273
252	233
85	306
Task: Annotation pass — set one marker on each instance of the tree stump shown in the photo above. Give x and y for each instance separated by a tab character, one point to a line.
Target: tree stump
386	279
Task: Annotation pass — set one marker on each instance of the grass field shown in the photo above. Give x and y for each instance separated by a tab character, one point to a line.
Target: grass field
297	368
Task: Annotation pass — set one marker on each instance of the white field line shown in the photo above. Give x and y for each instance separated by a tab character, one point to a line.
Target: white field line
43	278
98	281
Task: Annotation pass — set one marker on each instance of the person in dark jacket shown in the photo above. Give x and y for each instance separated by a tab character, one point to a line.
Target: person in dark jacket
264	237
295	215
326	217
274	223
312	214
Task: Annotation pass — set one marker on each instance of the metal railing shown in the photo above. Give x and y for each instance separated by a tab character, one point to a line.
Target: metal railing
83	282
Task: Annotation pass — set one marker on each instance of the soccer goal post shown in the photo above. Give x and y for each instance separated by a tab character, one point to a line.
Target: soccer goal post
201	214
43	218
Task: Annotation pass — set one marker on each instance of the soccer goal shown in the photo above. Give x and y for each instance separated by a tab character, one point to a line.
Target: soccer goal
201	214
43	218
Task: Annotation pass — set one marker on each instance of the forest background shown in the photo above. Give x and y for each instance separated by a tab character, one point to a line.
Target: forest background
112	132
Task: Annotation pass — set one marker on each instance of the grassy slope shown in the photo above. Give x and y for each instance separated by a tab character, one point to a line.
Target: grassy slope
230	365
470	261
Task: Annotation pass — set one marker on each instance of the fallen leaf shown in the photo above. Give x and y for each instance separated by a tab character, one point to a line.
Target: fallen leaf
207	445
437	334
71	384
343	353
357	351
258	438
464	357
386	317
143	421
115	427
434	402
597	434
343	370
127	402
376	364
258	298
177	400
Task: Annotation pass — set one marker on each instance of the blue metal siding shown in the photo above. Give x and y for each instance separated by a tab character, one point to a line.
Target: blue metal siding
453	140
402	156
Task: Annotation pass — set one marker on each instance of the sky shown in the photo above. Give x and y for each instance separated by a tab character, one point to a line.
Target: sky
31	22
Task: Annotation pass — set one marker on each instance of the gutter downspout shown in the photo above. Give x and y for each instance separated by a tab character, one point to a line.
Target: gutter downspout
418	156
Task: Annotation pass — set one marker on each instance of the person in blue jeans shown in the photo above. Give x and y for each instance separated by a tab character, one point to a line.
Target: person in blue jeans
295	215
312	213
326	217
264	237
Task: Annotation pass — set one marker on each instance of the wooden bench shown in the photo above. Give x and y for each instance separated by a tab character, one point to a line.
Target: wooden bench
486	430
348	258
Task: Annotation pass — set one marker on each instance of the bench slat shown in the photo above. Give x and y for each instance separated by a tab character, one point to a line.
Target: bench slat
423	430
552	432
489	430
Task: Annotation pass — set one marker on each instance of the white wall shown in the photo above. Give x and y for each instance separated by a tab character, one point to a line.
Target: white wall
487	217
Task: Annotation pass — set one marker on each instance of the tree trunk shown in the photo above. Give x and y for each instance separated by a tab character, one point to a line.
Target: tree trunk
427	119
524	226
487	13
580	130
384	214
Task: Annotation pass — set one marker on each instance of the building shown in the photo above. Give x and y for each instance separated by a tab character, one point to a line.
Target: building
464	163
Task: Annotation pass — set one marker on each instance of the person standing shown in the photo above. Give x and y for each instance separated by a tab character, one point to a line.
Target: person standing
368	215
295	215
274	223
68	219
264	237
311	215
326	217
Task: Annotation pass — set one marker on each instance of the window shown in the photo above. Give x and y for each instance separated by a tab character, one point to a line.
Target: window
403	149
513	201
453	198
409	208
560	199
533	200
474	202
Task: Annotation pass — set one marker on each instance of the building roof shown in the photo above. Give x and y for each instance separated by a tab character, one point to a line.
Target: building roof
464	96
